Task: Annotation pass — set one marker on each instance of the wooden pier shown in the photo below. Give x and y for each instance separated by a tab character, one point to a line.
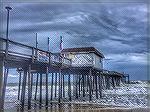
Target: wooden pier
63	82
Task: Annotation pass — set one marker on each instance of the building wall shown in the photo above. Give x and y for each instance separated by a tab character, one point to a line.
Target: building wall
84	59
97	61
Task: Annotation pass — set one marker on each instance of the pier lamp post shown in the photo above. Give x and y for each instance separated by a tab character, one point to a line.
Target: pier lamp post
3	83
8	10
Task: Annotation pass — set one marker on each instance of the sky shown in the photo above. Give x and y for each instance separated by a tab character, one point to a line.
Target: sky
118	30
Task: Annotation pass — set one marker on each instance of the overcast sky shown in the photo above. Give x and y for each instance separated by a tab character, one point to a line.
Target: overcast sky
118	30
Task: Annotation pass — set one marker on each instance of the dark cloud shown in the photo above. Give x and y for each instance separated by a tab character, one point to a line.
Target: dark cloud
117	29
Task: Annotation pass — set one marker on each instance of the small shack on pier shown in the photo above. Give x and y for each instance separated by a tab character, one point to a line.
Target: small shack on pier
84	57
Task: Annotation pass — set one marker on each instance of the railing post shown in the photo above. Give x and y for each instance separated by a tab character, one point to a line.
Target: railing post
32	55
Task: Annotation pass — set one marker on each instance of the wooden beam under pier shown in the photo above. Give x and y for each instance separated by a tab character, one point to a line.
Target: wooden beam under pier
55	85
46	98
69	87
19	85
29	87
52	82
40	90
23	88
36	86
4	86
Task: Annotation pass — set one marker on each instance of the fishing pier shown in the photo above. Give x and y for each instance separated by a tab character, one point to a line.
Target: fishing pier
74	74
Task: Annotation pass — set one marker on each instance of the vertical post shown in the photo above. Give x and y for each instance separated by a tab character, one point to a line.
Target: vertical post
76	86
36	44
29	87
60	85
47	70
40	89
7	29
1	81
107	82
36	87
23	88
48	44
79	84
128	79
36	40
89	84
96	88
63	84
69	87
52	86
113	84
19	85
83	85
55	85
31	83
4	86
100	84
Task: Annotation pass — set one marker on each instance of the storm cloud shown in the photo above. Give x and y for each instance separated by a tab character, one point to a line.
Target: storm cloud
119	30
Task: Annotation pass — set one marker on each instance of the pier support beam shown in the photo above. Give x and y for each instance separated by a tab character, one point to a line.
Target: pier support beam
52	86
46	98
69	87
60	86
36	86
19	85
1	81
29	87
40	90
63	84
83	77
4	87
55	85
23	88
96	87
100	84
89	84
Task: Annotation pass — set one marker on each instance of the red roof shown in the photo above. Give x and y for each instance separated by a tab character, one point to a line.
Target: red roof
83	49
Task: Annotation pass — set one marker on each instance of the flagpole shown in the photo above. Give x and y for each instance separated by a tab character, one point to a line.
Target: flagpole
48	44
61	43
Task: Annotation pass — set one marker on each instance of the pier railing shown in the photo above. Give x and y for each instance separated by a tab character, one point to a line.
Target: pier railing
9	47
